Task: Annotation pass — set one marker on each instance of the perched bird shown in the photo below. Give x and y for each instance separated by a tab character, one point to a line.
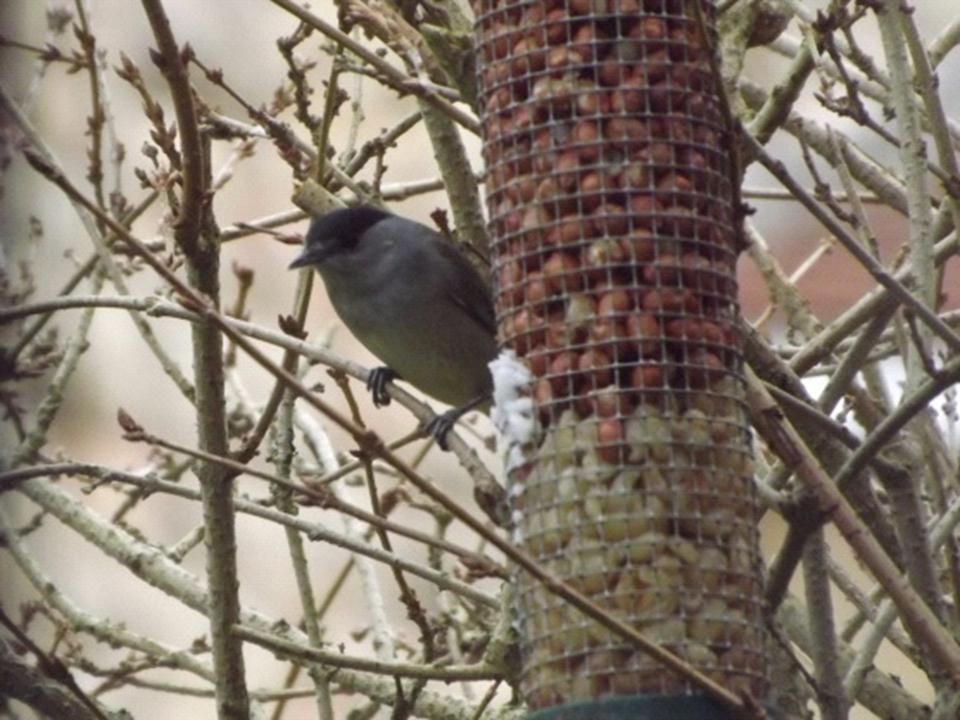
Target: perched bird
413	300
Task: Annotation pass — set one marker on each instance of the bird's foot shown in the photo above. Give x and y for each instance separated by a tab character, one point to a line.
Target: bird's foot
441	424
377	382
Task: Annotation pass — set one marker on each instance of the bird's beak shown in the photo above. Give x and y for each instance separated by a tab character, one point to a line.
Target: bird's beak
313	254
301	260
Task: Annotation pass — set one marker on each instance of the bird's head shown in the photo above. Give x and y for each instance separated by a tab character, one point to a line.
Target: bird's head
336	232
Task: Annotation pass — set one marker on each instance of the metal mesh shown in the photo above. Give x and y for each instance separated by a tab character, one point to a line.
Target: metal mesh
610	202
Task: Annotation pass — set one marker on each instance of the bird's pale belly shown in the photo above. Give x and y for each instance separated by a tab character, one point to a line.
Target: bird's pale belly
437	355
436	364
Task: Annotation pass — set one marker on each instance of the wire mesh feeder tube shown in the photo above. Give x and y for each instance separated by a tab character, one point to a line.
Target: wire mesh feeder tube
610	202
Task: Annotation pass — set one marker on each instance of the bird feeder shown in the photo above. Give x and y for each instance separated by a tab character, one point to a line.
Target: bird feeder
610	197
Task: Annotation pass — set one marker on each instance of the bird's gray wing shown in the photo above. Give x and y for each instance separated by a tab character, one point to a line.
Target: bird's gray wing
466	288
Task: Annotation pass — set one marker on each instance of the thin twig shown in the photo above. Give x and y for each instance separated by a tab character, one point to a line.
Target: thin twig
395	78
152	566
195	236
317	495
922	624
297	651
885	279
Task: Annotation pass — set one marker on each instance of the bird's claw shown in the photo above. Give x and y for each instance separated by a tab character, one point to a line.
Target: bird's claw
377	382
441	424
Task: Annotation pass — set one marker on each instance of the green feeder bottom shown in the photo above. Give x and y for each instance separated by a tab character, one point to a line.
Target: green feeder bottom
638	707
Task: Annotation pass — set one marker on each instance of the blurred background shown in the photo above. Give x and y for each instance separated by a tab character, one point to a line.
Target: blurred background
41	233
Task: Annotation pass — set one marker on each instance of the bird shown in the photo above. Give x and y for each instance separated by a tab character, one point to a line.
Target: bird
413	300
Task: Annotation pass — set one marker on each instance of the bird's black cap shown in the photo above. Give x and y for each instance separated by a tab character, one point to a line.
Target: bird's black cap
337	231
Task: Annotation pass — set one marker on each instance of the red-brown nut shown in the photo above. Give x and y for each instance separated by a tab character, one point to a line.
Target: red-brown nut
591	184
656	65
611	72
721	238
594	365
538	360
533	16
687	41
648	376
685	329
640	246
695	75
664	271
542	141
535	217
570	231
614	302
693	158
536	289
525	117
667	97
527	247
497	127
555	94
522	190
589	42
590	7
543	393
549	190
610	219
712	277
600	255
500	175
586	134
560	374
644	205
527	58
525	330
676	219
611	447
636	176
591	192
561	272
677	130
560	336
670	300
706	136
562	364
559	26
592	103
611	401
703	368
718	334
658	153
649	29
630	96
498	42
566	170
516	153
561	59
626	129
675	182
488	78
606	330
512	222
500	73
498	100
644	330
511	292
697	331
